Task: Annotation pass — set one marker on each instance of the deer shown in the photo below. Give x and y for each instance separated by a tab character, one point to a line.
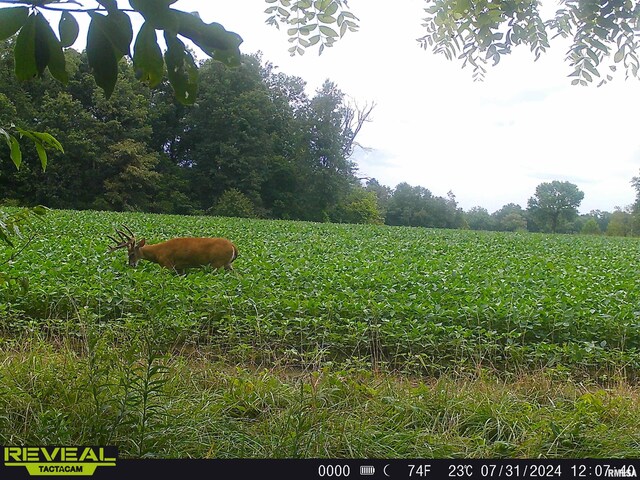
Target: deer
177	254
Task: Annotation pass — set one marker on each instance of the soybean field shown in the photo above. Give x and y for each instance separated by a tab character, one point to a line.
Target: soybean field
400	298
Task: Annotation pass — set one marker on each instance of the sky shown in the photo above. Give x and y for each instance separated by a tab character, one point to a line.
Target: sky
490	142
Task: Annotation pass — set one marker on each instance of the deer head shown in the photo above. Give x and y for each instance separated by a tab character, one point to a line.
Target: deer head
129	242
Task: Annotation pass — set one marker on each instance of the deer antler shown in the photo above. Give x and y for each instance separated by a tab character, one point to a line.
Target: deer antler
125	240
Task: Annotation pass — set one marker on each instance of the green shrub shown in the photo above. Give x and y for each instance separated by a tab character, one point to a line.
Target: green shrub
233	203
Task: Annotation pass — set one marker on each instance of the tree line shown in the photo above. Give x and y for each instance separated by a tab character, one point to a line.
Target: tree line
254	141
255	144
553	208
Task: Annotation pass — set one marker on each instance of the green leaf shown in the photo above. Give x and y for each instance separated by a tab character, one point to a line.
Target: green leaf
326	18
42	141
120	32
16	154
157	13
307	29
343	29
141	5
42	153
212	38
55	56
181	70
589	66
46	139
23	282
321	4
599	45
11	20
40	210
116	28
68	29
331	9
101	55
7	137
328	31
619	55
25	50
109	5
5	238
147	56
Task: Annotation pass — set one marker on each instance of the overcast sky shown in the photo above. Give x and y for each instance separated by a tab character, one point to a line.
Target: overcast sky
489	142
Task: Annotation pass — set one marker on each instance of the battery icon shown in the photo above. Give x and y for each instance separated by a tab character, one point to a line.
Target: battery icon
367	470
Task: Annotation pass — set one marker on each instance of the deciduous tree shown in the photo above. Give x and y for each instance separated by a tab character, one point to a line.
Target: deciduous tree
554	204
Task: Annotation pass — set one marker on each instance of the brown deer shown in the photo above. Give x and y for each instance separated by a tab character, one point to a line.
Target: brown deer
178	254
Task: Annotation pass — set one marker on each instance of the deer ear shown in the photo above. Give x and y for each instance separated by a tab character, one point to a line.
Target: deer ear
141	243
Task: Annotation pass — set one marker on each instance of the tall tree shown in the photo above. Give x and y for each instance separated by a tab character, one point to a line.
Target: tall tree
383	194
620	223
327	172
554	204
510	217
478	218
237	135
418	207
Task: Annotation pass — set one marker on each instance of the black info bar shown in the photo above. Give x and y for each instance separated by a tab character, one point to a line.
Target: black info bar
330	468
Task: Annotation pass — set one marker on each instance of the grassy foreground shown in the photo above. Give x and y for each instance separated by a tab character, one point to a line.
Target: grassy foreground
331	341
186	406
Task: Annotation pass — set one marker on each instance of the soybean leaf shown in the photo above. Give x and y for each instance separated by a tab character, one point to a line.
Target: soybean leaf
5	238
39	210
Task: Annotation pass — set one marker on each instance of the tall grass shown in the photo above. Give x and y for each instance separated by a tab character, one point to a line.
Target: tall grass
186	405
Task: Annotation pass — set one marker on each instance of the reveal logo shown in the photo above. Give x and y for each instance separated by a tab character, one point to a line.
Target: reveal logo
60	461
